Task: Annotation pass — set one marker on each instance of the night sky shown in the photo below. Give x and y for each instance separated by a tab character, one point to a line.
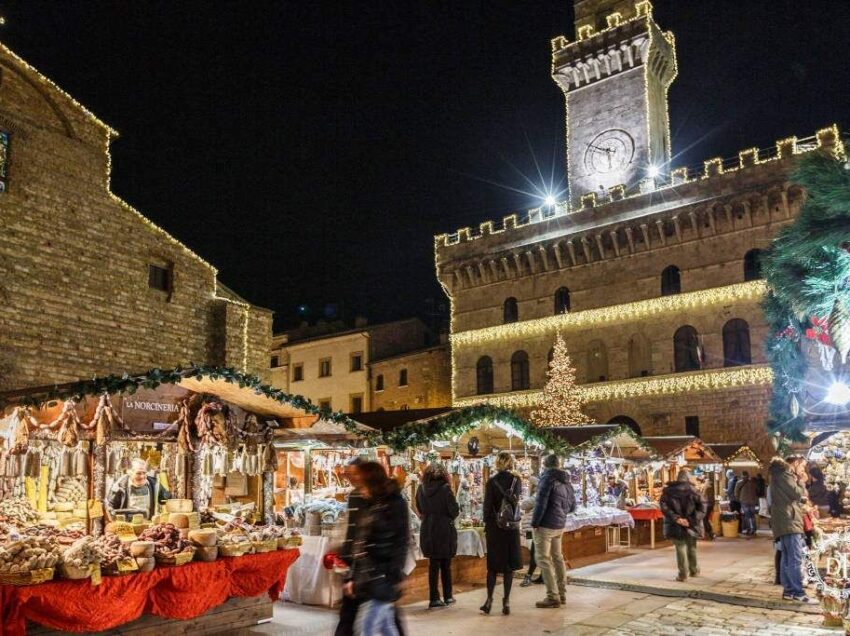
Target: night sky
311	150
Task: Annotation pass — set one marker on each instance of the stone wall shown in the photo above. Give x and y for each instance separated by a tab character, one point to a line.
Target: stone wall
74	259
428	380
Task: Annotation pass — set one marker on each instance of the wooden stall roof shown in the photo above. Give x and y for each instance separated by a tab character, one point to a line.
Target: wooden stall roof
587	438
739	452
693	448
243	397
322	433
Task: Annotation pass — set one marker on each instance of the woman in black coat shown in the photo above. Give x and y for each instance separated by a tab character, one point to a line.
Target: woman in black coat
438	536
503	555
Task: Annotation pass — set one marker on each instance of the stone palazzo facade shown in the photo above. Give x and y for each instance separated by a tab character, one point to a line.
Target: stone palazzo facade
88	285
650	272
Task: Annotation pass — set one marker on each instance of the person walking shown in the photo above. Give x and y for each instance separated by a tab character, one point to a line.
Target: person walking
683	512
787	492
379	553
747	493
555	500
438	509
527	507
502	493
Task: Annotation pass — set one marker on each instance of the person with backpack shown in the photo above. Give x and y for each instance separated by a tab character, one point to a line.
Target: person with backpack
555	500
502	520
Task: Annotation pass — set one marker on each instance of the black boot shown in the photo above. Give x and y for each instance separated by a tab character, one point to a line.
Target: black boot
506	607
526	581
487	605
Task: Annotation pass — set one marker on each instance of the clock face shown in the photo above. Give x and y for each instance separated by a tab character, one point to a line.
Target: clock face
609	152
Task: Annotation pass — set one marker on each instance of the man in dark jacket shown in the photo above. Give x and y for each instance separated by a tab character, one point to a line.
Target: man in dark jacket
746	492
555	500
683	510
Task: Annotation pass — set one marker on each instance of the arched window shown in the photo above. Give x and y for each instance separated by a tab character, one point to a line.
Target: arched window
687	353
379	382
562	301
597	361
640	356
671	281
511	311
625	420
519	371
484	375
752	265
736	343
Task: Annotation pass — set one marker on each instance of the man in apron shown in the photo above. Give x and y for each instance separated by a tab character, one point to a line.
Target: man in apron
137	491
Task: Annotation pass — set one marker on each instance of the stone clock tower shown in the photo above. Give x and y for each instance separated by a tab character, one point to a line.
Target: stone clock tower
615	77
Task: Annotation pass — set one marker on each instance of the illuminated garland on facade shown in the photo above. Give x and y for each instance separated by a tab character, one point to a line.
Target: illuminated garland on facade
642	309
707	380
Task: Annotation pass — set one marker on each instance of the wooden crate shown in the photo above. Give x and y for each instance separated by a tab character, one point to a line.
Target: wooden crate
230	617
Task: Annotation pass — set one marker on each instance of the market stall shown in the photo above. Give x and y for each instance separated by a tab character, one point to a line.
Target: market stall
672	454
141	476
601	462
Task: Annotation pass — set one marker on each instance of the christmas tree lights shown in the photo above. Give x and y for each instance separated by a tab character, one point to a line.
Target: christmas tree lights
561	403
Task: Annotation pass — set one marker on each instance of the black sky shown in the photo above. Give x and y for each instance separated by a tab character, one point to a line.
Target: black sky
311	149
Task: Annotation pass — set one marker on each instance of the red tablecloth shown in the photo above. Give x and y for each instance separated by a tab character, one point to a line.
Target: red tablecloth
181	592
645	514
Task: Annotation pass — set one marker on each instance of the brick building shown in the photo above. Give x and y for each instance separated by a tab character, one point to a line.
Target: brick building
90	286
335	367
650	273
419	379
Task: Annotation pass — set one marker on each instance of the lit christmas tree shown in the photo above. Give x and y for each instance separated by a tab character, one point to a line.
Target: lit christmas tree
561	404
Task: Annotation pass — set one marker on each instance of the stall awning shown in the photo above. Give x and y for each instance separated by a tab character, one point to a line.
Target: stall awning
694	450
736	453
322	434
616	440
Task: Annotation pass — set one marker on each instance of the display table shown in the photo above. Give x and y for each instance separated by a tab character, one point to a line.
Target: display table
182	592
645	528
598	516
308	581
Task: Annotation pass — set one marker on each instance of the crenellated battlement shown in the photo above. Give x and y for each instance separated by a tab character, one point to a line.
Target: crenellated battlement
827	139
643	11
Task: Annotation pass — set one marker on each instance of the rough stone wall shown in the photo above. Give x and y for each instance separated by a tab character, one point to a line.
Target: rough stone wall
428	380
74	259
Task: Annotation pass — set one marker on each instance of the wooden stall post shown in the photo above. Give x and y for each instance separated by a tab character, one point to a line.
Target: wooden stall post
308	472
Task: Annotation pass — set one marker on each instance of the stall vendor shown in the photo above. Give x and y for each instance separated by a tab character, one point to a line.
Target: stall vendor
619	490
137	491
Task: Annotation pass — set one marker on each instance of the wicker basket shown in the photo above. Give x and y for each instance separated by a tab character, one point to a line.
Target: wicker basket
33	577
181	558
233	549
282	543
74	573
268	545
294	542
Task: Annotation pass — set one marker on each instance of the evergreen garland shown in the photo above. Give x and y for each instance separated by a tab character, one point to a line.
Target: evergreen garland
808	272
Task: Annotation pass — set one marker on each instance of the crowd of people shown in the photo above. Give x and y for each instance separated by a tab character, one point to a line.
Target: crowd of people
378	533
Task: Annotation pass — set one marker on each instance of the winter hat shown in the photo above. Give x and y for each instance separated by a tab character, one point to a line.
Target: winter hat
552	461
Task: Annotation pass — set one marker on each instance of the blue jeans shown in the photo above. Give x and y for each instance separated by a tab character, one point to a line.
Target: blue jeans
791	569
749	522
375	618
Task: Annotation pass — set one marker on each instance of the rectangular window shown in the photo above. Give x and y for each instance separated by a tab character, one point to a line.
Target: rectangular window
402	377
4	160
357	361
692	425
275	362
325	404
160	278
325	368
356	403
379	382
297	372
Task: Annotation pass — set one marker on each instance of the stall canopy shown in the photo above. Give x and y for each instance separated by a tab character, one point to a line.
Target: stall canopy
325	434
736	454
615	440
692	449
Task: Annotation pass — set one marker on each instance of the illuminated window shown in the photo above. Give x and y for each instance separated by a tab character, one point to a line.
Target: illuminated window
511	311
519	371
484	375
4	160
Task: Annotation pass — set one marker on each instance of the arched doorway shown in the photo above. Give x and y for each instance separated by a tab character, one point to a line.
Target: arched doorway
625	420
